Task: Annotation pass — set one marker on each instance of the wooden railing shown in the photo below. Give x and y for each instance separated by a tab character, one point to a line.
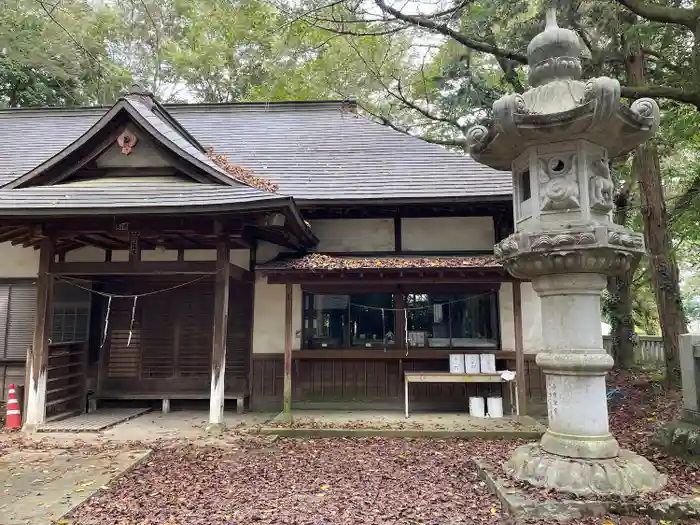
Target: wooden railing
66	379
649	349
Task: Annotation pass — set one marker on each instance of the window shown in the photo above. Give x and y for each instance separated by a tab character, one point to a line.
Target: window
349	320
525	191
71	314
451	320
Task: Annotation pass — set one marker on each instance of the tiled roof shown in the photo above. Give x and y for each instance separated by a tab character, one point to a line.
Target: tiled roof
312	151
326	262
123	194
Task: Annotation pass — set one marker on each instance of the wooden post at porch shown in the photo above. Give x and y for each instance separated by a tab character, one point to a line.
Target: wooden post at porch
38	357
288	304
222	284
520	371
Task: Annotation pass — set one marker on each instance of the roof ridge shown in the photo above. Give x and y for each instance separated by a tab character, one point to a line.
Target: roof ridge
191	105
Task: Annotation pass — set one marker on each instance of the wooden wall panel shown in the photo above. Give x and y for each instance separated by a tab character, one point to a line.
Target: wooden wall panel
352	382
171	345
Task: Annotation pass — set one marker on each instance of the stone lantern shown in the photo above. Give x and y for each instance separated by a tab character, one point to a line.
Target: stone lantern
557	139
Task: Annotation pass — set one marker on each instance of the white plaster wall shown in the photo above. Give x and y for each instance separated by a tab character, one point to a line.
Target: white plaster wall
532	318
86	254
239	257
120	256
17	262
92	254
447	234
354	235
268	322
158	255
505	314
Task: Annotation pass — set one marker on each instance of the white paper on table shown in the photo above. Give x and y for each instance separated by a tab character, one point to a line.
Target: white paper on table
507	375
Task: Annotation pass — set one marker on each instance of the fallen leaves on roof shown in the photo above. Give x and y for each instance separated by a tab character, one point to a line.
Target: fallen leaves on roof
241	174
318	261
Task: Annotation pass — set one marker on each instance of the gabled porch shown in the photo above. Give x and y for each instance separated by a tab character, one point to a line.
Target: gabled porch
161	236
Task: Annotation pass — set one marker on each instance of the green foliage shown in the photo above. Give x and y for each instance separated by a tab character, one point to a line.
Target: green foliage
40	64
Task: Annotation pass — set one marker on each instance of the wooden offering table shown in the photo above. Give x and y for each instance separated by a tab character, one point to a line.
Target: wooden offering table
449	377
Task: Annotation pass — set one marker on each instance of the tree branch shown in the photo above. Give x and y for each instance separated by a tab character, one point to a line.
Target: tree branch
439	27
663	14
386	122
678	94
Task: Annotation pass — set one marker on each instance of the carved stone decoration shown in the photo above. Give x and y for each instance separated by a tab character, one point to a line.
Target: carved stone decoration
647	108
563	239
506	247
592	260
127	141
559	189
477	137
605	92
601	186
505	109
626	475
626	239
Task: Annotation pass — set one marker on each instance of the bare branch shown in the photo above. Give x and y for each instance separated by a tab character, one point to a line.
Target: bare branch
386	122
663	14
439	27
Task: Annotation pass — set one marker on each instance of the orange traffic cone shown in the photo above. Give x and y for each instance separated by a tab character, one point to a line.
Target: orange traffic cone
14	418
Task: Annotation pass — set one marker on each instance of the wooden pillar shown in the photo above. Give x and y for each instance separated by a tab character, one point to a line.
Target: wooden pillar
520	370
222	284
288	304
38	356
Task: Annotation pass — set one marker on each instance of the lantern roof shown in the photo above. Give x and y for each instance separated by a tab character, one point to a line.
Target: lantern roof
560	107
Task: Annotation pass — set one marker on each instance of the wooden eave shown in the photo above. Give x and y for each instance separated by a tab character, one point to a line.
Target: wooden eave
179	232
377	275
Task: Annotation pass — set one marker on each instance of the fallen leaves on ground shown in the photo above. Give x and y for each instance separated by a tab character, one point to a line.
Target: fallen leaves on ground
316	481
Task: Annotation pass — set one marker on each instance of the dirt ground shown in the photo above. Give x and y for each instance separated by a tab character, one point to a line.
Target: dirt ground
242	477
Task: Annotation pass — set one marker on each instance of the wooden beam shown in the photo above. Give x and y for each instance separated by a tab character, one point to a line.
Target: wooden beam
238	273
137	268
76	164
373	278
134	247
12	233
221	303
288	308
397	234
520	371
38	355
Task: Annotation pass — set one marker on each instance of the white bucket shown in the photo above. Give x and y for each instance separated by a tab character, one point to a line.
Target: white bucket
472	363
495	406
476	407
456	363
488	363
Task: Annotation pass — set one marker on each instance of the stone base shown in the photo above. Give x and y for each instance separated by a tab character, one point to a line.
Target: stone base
679	439
524	507
626	475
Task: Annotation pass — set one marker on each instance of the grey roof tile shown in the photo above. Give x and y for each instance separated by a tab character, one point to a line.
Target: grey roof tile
158	193
313	151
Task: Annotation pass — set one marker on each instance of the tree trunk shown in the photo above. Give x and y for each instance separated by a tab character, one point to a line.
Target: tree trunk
620	291
662	264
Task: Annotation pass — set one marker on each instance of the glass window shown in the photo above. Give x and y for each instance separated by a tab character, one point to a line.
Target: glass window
71	315
451	320
350	320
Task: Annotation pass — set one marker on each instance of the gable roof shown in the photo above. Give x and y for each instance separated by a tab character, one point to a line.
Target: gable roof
314	151
165	132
